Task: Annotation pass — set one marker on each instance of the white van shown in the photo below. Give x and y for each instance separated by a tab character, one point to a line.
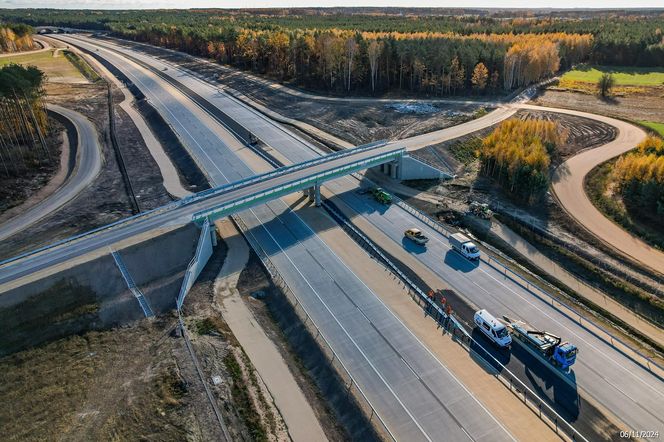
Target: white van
492	328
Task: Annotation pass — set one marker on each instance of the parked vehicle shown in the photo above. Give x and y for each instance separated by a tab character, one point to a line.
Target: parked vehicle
416	236
544	345
462	244
492	328
480	210
381	196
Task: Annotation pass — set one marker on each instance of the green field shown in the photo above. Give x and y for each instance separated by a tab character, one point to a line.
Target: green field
57	69
657	127
624	76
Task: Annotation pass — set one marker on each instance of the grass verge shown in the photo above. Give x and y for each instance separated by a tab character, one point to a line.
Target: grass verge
242	399
82	66
657	127
466	150
623	75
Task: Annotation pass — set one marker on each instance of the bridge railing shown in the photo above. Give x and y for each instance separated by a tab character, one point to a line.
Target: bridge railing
280	190
209	193
350	383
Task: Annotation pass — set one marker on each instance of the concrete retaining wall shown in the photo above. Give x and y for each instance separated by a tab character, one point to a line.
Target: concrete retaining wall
93	295
412	169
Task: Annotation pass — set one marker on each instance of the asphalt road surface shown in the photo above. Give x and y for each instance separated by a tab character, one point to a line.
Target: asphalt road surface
88	166
625	388
410	388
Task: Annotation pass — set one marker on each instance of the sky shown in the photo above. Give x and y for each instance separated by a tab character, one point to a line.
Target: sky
143	4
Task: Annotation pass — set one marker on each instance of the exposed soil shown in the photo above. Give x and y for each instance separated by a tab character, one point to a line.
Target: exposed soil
106	200
646	106
356	122
582	133
140	382
17	188
360	123
123	384
458	155
253	279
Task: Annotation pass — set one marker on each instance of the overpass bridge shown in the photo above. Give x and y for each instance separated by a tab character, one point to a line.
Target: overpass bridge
210	205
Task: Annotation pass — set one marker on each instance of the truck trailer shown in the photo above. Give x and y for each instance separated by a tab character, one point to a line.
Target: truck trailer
544	345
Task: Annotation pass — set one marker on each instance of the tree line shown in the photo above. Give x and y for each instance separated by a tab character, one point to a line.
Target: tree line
627	38
427	52
346	61
517	155
640	178
15	38
23	119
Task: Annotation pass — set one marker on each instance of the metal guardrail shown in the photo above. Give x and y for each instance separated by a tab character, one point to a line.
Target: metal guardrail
308	181
209	193
455	328
351	384
534	288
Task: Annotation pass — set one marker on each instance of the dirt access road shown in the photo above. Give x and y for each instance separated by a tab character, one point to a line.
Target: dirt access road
567	185
88	166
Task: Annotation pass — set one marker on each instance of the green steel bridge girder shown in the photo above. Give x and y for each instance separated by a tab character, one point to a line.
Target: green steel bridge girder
244	203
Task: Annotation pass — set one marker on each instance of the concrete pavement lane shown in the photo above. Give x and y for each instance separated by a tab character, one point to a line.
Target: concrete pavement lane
567	181
413	409
625	388
608	383
88	166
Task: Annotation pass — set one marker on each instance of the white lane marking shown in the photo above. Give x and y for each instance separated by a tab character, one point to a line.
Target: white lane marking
404	326
340	325
446	246
435	236
296	268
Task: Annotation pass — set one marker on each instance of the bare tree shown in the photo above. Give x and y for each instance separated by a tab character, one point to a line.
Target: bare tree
373	52
351	50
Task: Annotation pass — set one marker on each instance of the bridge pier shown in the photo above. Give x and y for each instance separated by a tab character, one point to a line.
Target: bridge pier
314	194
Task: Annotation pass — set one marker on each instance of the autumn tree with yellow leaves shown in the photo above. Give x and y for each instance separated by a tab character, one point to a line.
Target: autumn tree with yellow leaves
517	155
640	178
16	38
480	77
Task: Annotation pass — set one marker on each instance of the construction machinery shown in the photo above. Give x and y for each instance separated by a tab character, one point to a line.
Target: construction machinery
381	196
480	210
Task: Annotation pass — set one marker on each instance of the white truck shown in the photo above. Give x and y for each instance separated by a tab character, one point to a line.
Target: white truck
462	244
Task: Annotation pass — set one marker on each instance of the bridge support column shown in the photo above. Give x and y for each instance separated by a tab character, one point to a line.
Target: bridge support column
314	194
395	170
317	194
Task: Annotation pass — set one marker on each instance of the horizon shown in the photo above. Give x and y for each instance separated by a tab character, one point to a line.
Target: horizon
564	5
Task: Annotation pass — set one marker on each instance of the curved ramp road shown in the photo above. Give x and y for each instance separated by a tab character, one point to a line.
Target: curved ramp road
88	166
604	374
44	47
410	389
568	179
567	184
